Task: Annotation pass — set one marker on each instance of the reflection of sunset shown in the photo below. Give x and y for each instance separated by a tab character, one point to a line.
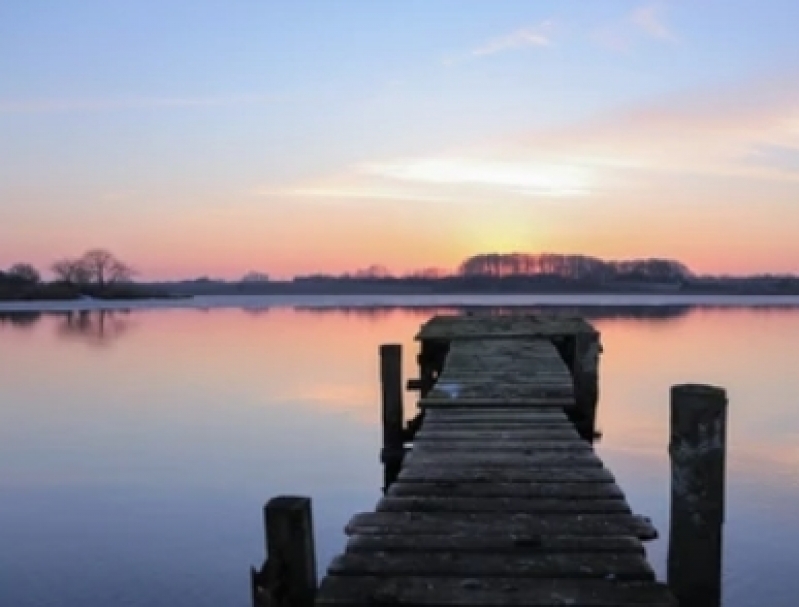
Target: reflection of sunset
329	360
735	349
245	404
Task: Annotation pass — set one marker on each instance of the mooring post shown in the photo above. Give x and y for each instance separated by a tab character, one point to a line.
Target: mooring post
585	372
697	450
288	578
393	433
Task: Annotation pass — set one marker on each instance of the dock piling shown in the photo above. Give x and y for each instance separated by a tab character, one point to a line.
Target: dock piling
697	449
585	371
288	577
392	410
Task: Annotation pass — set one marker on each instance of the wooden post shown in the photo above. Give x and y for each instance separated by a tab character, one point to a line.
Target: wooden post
426	372
697	450
585	372
393	434
288	578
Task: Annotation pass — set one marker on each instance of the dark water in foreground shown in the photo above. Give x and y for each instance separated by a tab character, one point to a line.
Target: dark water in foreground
136	449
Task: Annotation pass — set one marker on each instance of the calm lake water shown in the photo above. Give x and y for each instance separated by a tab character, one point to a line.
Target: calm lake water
137	448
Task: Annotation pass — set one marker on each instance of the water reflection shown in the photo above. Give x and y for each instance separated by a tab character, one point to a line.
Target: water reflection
98	327
20	320
161	450
103	326
95	327
423	312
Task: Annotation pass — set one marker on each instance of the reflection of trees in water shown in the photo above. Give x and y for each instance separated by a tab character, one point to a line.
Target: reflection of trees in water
20	320
96	327
376	313
589	312
257	311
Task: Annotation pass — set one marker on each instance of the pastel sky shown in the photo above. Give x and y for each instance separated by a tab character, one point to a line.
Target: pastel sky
212	138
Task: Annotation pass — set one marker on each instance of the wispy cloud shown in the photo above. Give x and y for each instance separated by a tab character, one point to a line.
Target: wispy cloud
537	35
527	37
42	106
750	132
647	21
520	176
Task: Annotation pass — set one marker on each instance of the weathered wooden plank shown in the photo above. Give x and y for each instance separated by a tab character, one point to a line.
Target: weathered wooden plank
509	371
478	369
489	389
526	376
510	434
495	413
520	381
540	401
555	459
495	351
482	523
624	566
423	446
572	491
524	418
488	592
481	371
508	475
499	543
459	353
502	504
513	424
497	426
499	410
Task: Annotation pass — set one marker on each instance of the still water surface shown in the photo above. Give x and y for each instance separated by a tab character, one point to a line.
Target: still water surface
137	449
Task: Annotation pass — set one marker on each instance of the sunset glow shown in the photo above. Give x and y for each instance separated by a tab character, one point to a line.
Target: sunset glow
325	137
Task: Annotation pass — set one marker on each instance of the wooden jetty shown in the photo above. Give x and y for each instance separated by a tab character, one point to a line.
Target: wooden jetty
494	494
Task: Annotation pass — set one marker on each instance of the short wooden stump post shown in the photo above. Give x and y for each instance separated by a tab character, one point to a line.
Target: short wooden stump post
288	577
392	411
697	451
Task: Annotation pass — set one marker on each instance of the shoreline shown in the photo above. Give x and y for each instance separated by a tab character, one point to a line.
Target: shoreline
205	302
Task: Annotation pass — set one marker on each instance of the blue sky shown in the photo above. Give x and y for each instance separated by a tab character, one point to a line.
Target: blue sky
219	137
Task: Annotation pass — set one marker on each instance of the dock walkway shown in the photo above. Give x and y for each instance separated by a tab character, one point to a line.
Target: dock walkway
500	498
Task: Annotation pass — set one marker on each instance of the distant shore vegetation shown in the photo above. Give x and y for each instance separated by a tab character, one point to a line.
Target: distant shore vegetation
506	273
99	274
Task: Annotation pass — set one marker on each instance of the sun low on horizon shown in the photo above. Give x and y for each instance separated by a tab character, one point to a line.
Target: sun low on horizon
201	138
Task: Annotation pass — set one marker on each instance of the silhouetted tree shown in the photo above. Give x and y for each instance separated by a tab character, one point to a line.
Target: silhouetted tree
576	267
24	272
103	268
70	271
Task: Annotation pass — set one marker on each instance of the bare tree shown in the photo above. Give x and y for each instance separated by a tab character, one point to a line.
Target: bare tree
24	272
70	271
120	272
103	268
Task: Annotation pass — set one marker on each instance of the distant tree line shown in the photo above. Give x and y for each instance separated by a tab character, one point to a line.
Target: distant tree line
531	265
575	267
